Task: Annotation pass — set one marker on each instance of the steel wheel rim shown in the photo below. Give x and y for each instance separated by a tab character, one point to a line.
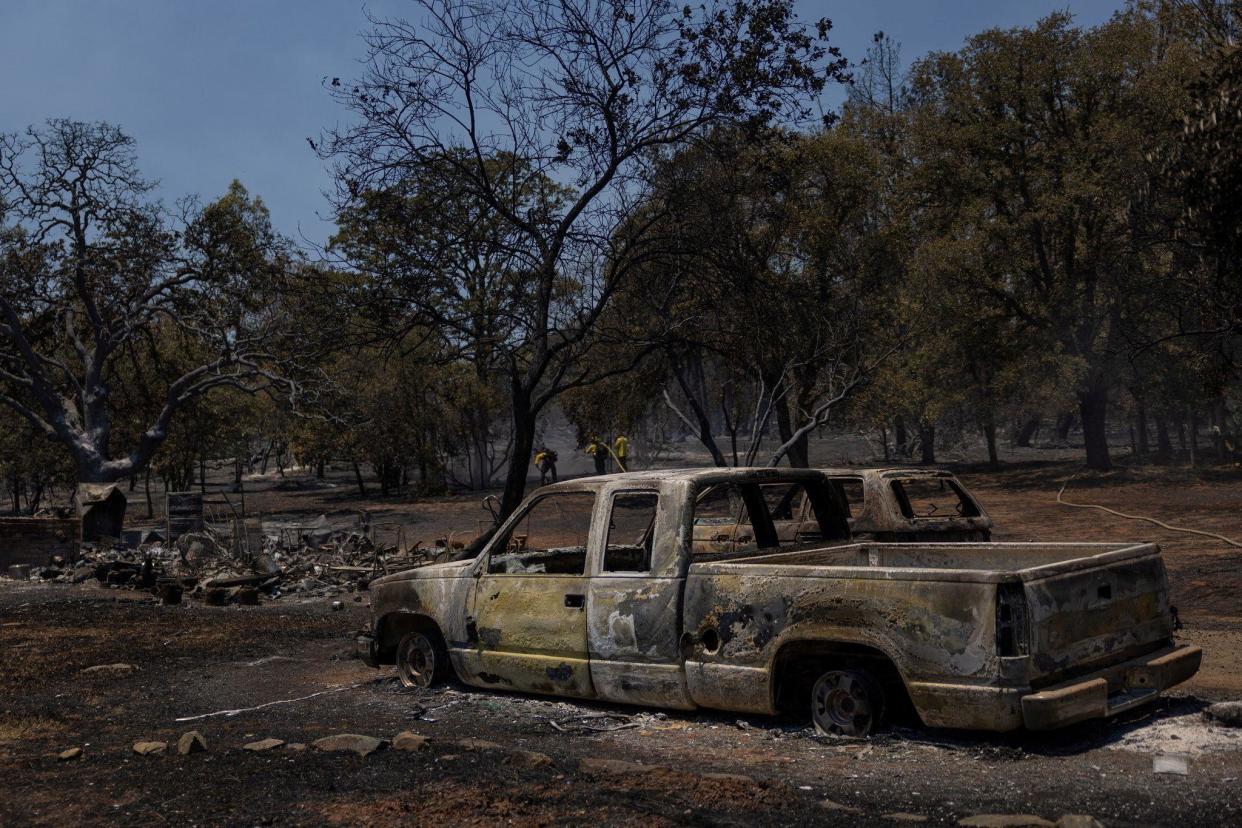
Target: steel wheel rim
843	705
417	661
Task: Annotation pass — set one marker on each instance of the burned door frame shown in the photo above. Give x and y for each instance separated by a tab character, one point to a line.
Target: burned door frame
530	629
634	618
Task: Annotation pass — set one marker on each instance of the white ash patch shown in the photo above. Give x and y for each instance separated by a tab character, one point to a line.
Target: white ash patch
1190	734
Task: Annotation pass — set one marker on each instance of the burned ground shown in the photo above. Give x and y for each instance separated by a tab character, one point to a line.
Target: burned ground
695	768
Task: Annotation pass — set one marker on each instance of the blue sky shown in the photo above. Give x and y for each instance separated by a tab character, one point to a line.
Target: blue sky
221	89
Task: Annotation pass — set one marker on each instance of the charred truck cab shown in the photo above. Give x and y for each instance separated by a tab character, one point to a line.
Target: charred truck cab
741	590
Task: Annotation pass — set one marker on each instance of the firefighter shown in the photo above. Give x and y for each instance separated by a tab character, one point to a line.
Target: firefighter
545	461
621	450
599	452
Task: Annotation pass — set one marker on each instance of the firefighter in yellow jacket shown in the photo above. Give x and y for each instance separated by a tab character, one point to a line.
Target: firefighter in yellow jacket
599	453
621	450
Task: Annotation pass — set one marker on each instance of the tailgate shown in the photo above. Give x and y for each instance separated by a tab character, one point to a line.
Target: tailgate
1096	611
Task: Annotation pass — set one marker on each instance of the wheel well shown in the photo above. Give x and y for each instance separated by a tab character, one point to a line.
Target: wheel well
800	663
393	627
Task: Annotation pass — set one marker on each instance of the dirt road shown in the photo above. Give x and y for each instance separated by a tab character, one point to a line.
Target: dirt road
535	761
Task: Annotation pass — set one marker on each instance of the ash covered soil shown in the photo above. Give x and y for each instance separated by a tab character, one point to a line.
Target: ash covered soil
493	757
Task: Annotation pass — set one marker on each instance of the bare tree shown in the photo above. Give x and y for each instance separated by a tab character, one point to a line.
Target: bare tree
782	289
91	270
585	94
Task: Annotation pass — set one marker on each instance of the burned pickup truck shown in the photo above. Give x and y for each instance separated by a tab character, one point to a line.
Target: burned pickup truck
595	589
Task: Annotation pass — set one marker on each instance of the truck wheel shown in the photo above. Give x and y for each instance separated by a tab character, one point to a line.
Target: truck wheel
420	660
847	703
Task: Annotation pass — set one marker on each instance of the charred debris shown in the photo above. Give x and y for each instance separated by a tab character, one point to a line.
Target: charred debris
240	560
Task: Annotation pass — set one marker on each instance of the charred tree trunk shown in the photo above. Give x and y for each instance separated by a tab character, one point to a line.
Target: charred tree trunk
798	453
1164	446
1093	411
989	434
362	486
900	439
1140	425
927	444
1193	424
1026	432
702	423
523	447
34	499
146	485
1065	424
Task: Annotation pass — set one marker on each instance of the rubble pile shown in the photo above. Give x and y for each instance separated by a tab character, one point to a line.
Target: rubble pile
244	565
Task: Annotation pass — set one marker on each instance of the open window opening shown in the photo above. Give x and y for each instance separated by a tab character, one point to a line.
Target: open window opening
733	519
549	538
631	532
930	498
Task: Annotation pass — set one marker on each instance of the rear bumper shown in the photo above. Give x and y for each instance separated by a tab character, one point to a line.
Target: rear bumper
1110	691
1094	695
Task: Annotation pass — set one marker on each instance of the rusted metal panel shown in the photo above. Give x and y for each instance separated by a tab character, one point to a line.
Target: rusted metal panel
101	508
532	633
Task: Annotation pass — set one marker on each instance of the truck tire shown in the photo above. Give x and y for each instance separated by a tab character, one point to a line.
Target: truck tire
421	660
847	703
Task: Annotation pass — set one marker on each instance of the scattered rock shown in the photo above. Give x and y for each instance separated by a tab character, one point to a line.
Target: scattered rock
1006	821
71	753
296	746
529	759
407	740
110	669
191	742
901	816
1226	713
831	805
337	606
731	778
150	748
1078	821
263	744
611	767
349	742
476	744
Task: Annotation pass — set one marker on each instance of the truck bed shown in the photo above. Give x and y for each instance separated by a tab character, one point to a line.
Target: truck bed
1072	607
